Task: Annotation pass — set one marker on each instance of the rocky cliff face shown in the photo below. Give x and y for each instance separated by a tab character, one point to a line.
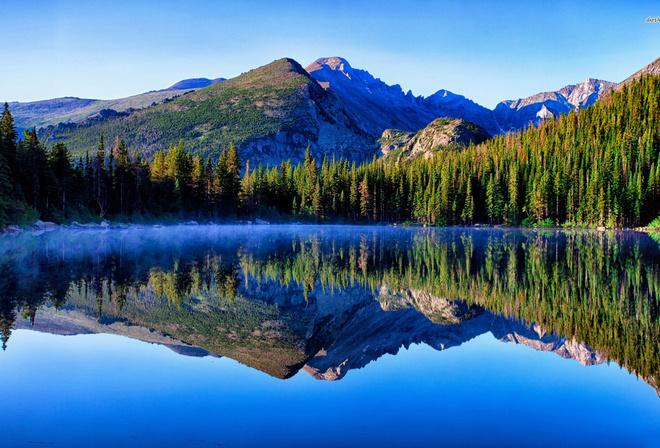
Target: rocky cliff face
317	120
376	105
518	114
440	134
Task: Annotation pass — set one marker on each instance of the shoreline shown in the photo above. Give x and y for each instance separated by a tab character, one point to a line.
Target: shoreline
40	227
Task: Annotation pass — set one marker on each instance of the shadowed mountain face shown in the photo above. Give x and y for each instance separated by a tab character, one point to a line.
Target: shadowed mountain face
331	299
379	106
372	333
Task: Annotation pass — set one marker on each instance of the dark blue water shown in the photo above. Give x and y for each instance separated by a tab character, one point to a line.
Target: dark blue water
452	382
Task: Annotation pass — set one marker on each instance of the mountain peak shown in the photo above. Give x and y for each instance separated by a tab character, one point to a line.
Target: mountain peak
194	83
293	65
333	63
273	74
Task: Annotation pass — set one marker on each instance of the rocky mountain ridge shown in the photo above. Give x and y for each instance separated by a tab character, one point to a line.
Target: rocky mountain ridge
380	106
652	69
383	107
513	115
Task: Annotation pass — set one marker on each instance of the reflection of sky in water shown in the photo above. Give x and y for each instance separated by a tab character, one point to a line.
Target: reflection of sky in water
110	391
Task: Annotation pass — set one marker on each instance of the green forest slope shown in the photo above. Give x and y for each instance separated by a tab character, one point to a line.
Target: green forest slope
279	103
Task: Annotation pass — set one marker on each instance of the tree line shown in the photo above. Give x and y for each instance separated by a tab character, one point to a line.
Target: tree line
593	167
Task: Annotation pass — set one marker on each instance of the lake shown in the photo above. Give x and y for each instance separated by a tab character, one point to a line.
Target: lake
326	336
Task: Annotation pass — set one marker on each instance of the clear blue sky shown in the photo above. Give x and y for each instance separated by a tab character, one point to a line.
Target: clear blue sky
487	51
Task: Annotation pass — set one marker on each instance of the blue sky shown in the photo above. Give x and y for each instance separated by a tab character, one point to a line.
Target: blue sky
486	51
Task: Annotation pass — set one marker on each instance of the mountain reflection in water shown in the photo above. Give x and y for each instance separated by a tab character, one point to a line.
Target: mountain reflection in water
330	299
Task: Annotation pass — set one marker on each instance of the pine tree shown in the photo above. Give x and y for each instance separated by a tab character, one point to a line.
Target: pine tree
8	143
467	215
233	185
60	163
100	183
365	197
123	175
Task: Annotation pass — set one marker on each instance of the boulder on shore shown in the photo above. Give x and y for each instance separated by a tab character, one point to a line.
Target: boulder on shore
12	230
43	226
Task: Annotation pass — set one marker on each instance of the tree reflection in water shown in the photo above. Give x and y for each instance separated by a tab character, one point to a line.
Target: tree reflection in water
244	293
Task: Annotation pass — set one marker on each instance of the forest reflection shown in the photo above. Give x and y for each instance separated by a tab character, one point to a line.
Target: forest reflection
218	286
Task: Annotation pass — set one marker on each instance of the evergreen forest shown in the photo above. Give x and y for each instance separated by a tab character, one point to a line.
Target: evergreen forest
593	167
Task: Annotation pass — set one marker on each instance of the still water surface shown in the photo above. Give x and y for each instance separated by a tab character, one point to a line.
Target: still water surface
329	336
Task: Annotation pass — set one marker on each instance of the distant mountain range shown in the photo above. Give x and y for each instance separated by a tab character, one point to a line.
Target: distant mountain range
514	115
274	112
44	113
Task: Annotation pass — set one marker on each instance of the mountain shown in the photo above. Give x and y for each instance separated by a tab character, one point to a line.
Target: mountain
194	83
441	134
271	114
379	106
447	104
73	110
518	114
337	109
47	112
